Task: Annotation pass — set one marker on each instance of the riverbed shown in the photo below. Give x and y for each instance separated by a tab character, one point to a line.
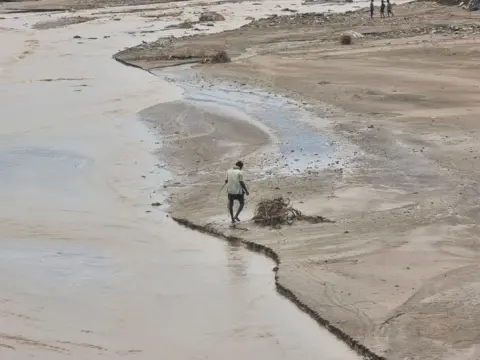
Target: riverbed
88	268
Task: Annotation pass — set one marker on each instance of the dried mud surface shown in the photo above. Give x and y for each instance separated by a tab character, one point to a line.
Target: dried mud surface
397	271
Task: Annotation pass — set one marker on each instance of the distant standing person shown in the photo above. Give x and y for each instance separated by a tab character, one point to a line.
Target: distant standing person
382	9
372	9
236	190
389	8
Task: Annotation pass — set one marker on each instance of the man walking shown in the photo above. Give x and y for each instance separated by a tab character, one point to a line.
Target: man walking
382	9
236	190
372	9
389	8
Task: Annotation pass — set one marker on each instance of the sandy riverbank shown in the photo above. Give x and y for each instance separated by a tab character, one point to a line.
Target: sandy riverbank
397	271
89	267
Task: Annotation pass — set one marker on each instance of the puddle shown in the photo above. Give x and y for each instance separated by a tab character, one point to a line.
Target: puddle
298	145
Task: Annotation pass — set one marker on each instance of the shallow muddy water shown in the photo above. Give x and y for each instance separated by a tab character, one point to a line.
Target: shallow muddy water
185	296
88	268
300	146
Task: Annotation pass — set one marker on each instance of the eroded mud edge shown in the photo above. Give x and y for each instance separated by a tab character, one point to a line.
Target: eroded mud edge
354	344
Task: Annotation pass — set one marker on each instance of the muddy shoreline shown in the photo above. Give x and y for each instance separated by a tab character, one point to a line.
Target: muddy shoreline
212	228
397	270
404	96
282	290
96	257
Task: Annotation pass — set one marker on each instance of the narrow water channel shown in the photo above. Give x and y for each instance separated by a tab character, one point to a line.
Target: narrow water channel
299	147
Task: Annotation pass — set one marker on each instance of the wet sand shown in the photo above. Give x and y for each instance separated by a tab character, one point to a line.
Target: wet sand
397	270
88	268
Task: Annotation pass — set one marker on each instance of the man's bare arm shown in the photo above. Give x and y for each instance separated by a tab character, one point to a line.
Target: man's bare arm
244	187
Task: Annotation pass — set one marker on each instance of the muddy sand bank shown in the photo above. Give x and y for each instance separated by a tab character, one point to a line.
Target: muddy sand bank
85	259
397	270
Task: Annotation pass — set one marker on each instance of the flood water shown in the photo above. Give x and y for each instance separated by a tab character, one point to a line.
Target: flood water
88	268
178	295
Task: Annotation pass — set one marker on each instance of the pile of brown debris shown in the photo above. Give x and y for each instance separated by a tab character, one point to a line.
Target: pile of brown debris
278	211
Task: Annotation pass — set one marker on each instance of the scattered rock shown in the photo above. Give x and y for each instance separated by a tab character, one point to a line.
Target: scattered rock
156	204
210	16
353	34
370	126
210	24
250	18
289	10
77	37
346	39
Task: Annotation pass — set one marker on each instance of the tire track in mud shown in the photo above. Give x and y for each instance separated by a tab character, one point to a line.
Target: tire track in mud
359	348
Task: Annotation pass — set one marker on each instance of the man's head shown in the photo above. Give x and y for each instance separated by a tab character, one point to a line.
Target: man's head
239	164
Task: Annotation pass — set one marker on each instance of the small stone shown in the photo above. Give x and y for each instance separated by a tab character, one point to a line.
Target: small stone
370	126
77	37
211	16
156	203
